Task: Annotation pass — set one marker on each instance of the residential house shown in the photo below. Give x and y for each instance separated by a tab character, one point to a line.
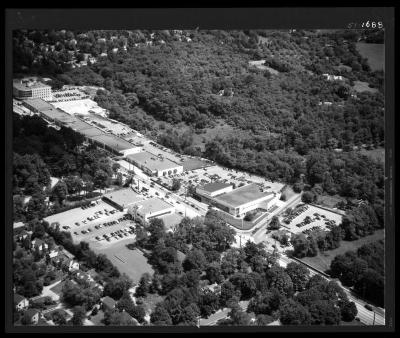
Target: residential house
38	243
32	316
20	302
54	253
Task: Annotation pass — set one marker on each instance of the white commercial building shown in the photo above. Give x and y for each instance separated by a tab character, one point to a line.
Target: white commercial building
207	191
30	88
151	208
245	199
154	165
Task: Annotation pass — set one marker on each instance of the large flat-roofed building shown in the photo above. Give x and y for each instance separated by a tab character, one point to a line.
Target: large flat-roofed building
151	208
36	105
122	199
31	88
245	199
115	144
210	190
154	165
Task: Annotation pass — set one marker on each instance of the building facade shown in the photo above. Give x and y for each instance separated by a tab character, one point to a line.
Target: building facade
30	88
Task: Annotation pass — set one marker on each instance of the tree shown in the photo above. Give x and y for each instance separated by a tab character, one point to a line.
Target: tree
300	245
237	317
213	273
280	280
144	285
195	259
307	197
116	287
59	192
324	312
274	224
79	315
349	311
228	292
157	231
299	275
293	313
176	184
160	316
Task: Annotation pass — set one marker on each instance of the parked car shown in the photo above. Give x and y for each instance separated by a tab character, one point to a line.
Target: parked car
368	307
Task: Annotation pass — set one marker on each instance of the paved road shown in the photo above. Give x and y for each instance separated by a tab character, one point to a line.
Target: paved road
259	236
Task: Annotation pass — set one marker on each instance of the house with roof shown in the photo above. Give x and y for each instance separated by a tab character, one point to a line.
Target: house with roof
20	302
31	316
126	317
54	252
62	259
40	244
18	227
22	235
108	303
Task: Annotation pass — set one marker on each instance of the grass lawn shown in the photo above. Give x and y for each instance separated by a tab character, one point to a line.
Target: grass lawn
130	262
329	201
323	260
193	164
360	86
374	52
376	154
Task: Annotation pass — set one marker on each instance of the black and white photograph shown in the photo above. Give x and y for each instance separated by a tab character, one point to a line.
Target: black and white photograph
199	178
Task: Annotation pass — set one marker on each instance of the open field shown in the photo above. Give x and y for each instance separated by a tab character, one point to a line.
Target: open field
323	260
193	164
130	262
376	154
374	52
222	130
360	87
329	201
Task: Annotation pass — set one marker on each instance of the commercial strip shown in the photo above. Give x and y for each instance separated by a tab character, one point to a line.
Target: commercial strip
154	165
92	134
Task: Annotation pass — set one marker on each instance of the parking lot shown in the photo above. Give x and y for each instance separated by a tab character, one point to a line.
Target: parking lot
107	232
311	218
79	218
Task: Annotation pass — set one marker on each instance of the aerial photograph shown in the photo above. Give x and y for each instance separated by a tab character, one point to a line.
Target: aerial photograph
198	177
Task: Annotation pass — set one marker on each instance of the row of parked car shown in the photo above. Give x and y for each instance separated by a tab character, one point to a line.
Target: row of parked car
295	213
118	234
308	231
